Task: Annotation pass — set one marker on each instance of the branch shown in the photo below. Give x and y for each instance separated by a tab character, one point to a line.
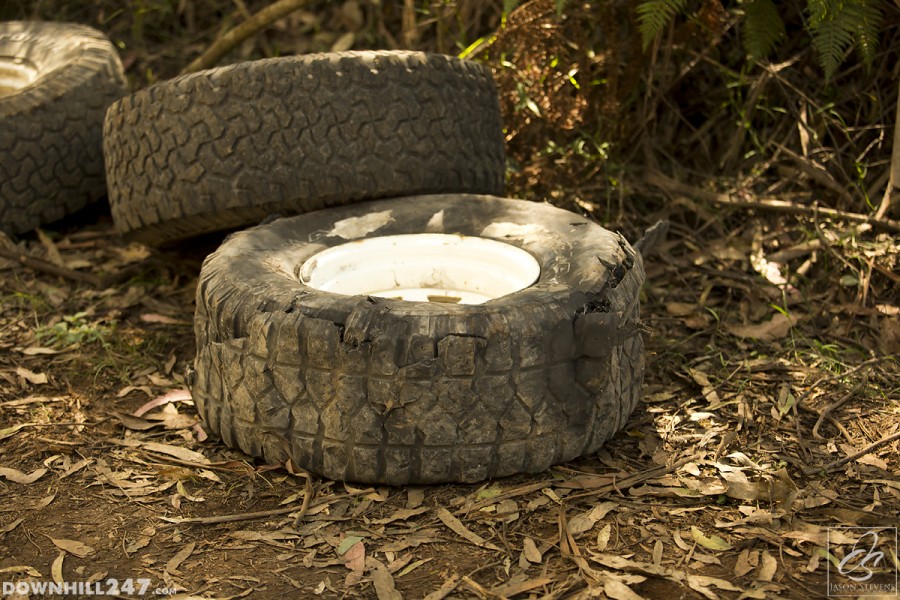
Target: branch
841	462
39	264
657	179
248	28
893	185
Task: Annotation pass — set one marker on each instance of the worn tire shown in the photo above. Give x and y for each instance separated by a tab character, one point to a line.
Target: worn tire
51	152
227	147
387	391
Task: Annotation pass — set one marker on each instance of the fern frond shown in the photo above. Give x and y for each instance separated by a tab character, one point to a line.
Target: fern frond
654	15
870	20
560	6
763	28
833	25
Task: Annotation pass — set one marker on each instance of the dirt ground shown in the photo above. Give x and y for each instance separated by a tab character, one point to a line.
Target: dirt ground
769	420
763	461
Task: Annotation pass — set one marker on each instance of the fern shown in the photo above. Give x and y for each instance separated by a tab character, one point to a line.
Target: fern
763	28
836	26
870	19
654	15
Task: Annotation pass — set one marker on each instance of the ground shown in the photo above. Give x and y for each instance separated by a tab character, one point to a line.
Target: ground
769	419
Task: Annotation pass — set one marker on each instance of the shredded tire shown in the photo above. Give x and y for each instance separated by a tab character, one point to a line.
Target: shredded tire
228	147
56	81
386	391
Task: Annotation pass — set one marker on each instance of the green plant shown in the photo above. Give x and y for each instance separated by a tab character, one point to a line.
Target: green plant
835	26
73	329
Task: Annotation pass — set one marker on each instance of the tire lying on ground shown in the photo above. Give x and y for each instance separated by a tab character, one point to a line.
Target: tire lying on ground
374	389
228	147
56	81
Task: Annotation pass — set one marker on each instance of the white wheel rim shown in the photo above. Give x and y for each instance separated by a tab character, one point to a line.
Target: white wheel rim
15	73
423	267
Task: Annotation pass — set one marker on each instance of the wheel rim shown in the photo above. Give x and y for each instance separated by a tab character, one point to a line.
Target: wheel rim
423	267
15	73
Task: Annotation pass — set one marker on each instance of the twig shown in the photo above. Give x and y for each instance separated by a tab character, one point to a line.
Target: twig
839	463
826	413
830	378
307	496
259	514
657	179
633	480
235	36
39	264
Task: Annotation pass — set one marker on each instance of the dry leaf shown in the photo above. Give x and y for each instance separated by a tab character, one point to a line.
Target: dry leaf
383	581
774	329
182	395
73	547
56	569
603	537
530	550
17	476
175	561
402	515
31	376
30	571
458	528
355	561
414	497
617	590
746	562
511	590
767	568
39	350
585	521
712	543
9	527
657	553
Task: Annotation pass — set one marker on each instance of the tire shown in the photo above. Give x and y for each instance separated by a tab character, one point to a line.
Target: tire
59	80
387	391
227	147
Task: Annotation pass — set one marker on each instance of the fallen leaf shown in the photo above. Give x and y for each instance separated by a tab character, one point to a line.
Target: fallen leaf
531	552
603	537
414	497
173	396
401	515
514	589
355	561
774	329
746	562
31	376
39	350
767	568
10	526
347	543
157	318
180	557
31	571
56	571
383	581
585	521
10	431
73	547
712	543
458	528
617	590
507	511
17	476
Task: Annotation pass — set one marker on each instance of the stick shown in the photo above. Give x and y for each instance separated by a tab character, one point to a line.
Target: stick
39	264
259	514
235	36
840	463
657	179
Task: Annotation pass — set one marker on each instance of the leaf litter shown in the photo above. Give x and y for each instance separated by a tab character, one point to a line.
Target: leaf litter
716	488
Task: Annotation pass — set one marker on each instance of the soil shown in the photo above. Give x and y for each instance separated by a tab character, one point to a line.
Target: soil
721	485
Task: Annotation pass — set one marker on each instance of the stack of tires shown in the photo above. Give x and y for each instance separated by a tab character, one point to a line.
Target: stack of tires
393	319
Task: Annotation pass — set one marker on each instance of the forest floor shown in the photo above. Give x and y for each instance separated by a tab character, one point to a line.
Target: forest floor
765	451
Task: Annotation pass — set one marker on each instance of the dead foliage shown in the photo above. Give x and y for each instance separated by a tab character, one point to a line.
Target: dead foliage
769	417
